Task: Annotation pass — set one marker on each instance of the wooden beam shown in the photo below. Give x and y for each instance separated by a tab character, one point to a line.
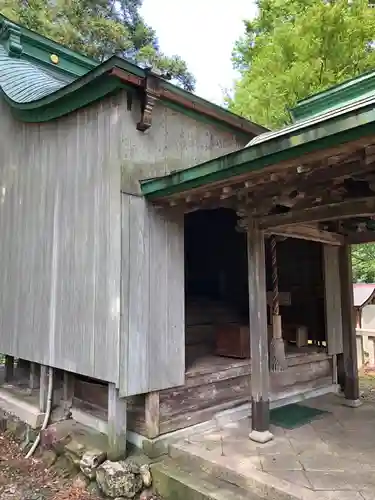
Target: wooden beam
360	238
318	176
117	408
350	363
152	414
360	207
260	377
310	233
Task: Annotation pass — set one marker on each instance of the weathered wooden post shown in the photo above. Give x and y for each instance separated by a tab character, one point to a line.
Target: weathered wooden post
9	368
117	408
260	378
351	382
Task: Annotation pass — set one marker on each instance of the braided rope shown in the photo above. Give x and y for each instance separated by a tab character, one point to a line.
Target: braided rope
275	279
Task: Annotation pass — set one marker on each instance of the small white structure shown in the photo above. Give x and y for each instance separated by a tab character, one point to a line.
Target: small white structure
364	304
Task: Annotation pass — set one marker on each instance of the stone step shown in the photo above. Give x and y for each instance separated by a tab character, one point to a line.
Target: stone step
172	482
255	483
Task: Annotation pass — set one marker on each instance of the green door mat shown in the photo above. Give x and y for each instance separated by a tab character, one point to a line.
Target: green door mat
294	415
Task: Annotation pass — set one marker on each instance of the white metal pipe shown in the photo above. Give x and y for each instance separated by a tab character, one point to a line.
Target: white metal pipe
47	414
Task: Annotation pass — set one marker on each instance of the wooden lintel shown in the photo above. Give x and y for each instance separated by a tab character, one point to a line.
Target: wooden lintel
360	207
360	238
308	232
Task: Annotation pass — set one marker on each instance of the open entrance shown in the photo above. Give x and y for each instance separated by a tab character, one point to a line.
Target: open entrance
216	277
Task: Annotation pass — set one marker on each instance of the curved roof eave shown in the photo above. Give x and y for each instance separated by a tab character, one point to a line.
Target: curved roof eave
43	97
363	294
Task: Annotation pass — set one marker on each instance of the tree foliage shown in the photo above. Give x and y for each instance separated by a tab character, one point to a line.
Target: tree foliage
363	260
295	48
99	29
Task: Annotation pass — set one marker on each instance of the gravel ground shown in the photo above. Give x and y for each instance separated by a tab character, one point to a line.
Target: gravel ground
367	385
22	479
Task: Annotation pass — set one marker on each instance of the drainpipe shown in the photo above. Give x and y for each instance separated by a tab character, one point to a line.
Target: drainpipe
47	415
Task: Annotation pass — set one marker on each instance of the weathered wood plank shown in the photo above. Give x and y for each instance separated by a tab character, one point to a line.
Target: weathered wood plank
332	286
152	414
153	340
174	357
158	310
200	397
181	421
137	376
309	233
124	296
116	424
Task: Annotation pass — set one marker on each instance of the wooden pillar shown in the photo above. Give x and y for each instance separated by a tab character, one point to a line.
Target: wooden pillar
68	390
152	414
351	382
9	368
116	424
23	368
260	377
43	388
33	378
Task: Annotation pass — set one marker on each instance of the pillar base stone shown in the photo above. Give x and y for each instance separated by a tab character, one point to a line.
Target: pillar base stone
261	437
352	403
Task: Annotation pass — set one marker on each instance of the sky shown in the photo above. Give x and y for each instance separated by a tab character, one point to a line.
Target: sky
203	34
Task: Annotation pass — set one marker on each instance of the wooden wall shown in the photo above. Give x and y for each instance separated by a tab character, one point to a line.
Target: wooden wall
60	243
152	339
212	385
60	224
217	388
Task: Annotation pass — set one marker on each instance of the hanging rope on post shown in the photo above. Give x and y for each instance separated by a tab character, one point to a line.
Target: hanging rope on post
275	279
277	348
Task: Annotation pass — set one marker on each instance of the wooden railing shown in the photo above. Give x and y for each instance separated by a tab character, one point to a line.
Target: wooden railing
365	347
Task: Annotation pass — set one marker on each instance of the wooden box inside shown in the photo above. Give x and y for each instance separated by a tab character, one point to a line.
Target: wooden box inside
233	341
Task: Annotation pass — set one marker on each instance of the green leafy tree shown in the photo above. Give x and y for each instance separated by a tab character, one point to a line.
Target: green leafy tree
99	29
363	260
295	48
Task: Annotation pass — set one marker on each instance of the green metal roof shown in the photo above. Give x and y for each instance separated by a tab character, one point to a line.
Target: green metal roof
23	82
335	97
42	80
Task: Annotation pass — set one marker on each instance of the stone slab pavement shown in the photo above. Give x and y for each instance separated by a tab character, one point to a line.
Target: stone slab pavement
333	457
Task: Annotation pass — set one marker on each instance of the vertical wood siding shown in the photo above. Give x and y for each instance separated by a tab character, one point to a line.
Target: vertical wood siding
60	245
333	299
153	324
